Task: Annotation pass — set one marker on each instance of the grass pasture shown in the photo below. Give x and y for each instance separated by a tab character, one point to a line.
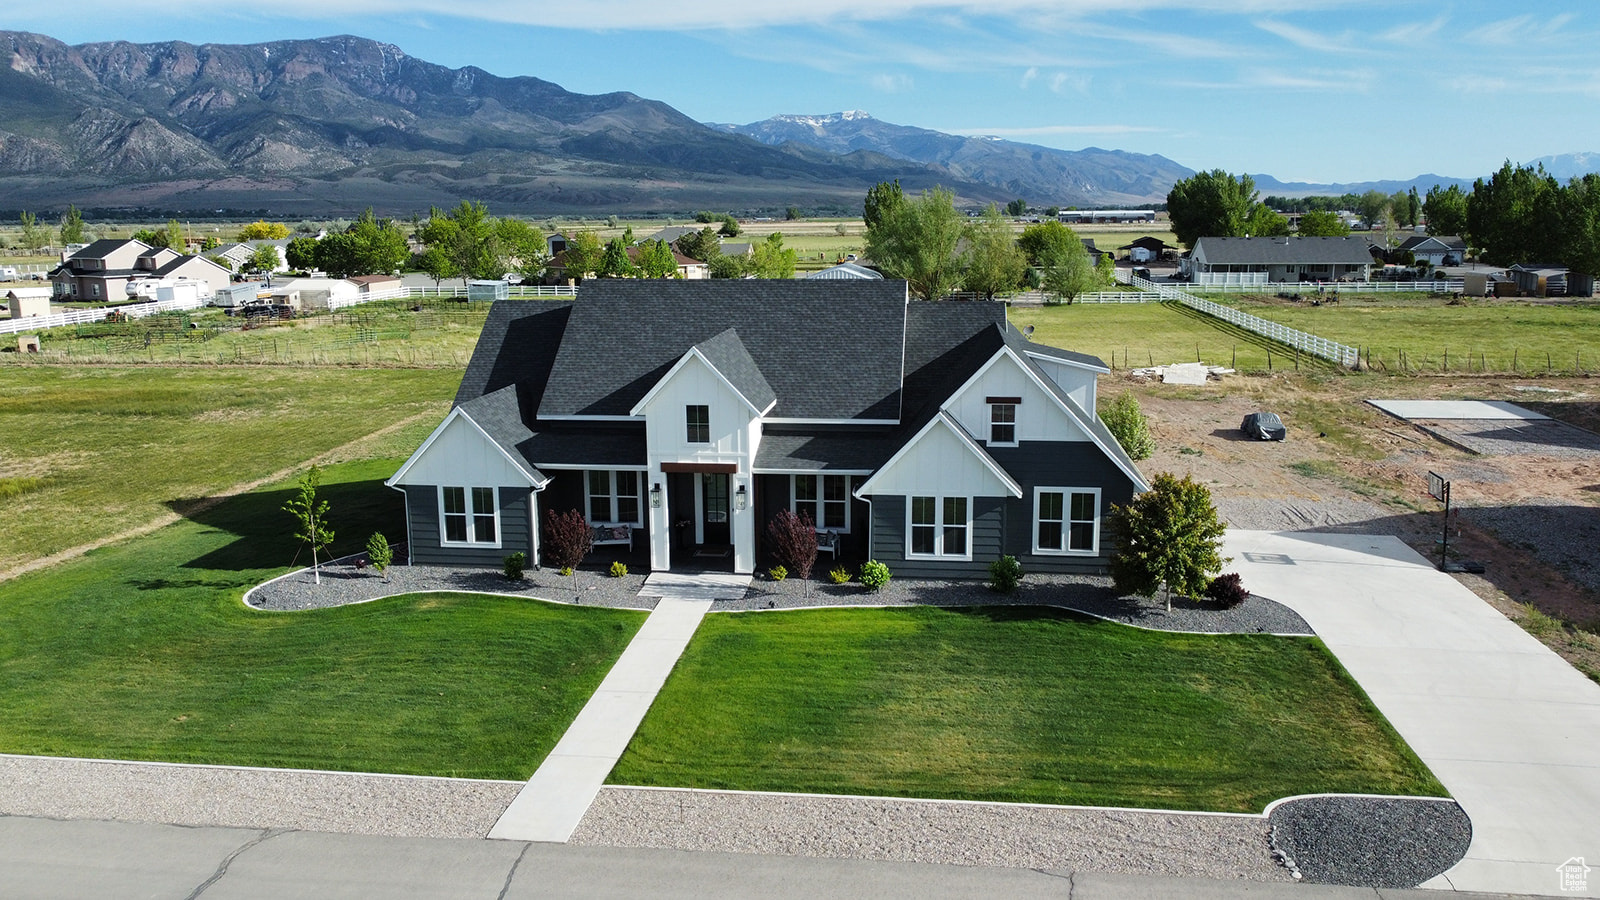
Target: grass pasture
143	651
1427	334
1012	704
1135	335
437	333
91	451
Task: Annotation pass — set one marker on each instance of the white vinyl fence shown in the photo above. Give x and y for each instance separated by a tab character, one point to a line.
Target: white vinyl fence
1445	286
140	310
1342	354
99	314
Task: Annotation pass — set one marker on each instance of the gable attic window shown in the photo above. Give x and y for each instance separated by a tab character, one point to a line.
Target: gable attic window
1003	419
698	419
468	515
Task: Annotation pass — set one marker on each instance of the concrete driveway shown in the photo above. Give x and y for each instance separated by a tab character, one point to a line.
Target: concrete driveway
1509	727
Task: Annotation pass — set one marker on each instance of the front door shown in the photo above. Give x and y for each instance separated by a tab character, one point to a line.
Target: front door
714	509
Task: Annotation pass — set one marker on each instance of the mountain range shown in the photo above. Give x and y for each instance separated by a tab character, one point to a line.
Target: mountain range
313	128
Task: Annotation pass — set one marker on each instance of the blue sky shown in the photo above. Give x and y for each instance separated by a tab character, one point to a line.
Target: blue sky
1316	90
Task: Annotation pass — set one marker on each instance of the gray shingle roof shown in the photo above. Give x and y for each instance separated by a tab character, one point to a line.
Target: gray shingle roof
828	349
1283	250
818	450
516	347
727	354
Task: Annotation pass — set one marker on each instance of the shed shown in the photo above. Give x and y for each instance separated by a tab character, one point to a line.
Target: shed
488	290
28	302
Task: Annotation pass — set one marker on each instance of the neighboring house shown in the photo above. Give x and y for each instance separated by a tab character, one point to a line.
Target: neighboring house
240	254
102	270
681	417
1262	260
1148	248
1095	253
846	270
671	233
1436	250
740	248
555	243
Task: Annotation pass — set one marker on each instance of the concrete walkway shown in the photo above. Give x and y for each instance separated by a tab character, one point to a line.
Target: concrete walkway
1509	727
560	792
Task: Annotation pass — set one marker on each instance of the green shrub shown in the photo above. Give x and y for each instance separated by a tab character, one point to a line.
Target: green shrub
874	574
514	564
839	575
566	571
619	569
1126	422
1227	591
379	553
778	573
1005	574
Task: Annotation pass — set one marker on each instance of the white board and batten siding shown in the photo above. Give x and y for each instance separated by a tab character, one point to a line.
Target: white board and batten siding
939	462
459	454
1039	415
1077	381
696	384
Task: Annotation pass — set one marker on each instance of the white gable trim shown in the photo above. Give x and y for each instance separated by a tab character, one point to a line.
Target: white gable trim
945	419
694	353
1071	409
1079	364
537	484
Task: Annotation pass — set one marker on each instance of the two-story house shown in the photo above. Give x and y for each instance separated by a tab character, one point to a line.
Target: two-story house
682	416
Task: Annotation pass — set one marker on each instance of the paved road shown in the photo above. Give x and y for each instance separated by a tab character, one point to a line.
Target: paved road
1508	726
46	858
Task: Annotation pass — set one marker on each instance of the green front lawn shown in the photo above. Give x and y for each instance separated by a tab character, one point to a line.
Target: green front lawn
1013	704
143	651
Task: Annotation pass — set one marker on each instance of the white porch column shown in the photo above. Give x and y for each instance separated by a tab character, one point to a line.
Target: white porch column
744	523
660	522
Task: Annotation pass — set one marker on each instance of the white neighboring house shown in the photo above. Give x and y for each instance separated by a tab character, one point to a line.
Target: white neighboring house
240	254
1271	260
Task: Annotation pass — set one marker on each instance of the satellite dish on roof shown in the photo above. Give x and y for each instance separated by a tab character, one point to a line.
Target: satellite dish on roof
1027	331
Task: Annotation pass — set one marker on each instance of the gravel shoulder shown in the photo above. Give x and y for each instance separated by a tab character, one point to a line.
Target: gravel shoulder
973	834
1380	842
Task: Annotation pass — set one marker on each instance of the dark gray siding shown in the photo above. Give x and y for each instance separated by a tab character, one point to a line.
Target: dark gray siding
1063	464
422	506
889	539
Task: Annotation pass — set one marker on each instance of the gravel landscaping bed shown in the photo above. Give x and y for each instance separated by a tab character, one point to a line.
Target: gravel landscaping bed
344	583
251	798
971	834
1377	842
1091	594
1561	534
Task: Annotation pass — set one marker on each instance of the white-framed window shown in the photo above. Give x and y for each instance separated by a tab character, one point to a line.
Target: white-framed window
615	496
698	422
1066	520
469	516
1003	420
939	527
825	498
94	289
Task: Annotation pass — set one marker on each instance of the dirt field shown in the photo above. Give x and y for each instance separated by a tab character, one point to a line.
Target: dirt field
1532	520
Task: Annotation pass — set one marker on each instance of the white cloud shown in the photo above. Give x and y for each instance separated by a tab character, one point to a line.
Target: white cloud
695	15
1060	81
1029	76
1307	38
1414	31
895	83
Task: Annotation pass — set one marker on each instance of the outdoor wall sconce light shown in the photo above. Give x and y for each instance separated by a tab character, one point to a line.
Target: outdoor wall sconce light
655	496
741	498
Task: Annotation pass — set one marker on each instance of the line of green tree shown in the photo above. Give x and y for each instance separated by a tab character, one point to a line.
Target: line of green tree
937	250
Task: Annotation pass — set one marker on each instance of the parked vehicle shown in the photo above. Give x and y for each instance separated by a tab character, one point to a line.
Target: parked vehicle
1264	426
